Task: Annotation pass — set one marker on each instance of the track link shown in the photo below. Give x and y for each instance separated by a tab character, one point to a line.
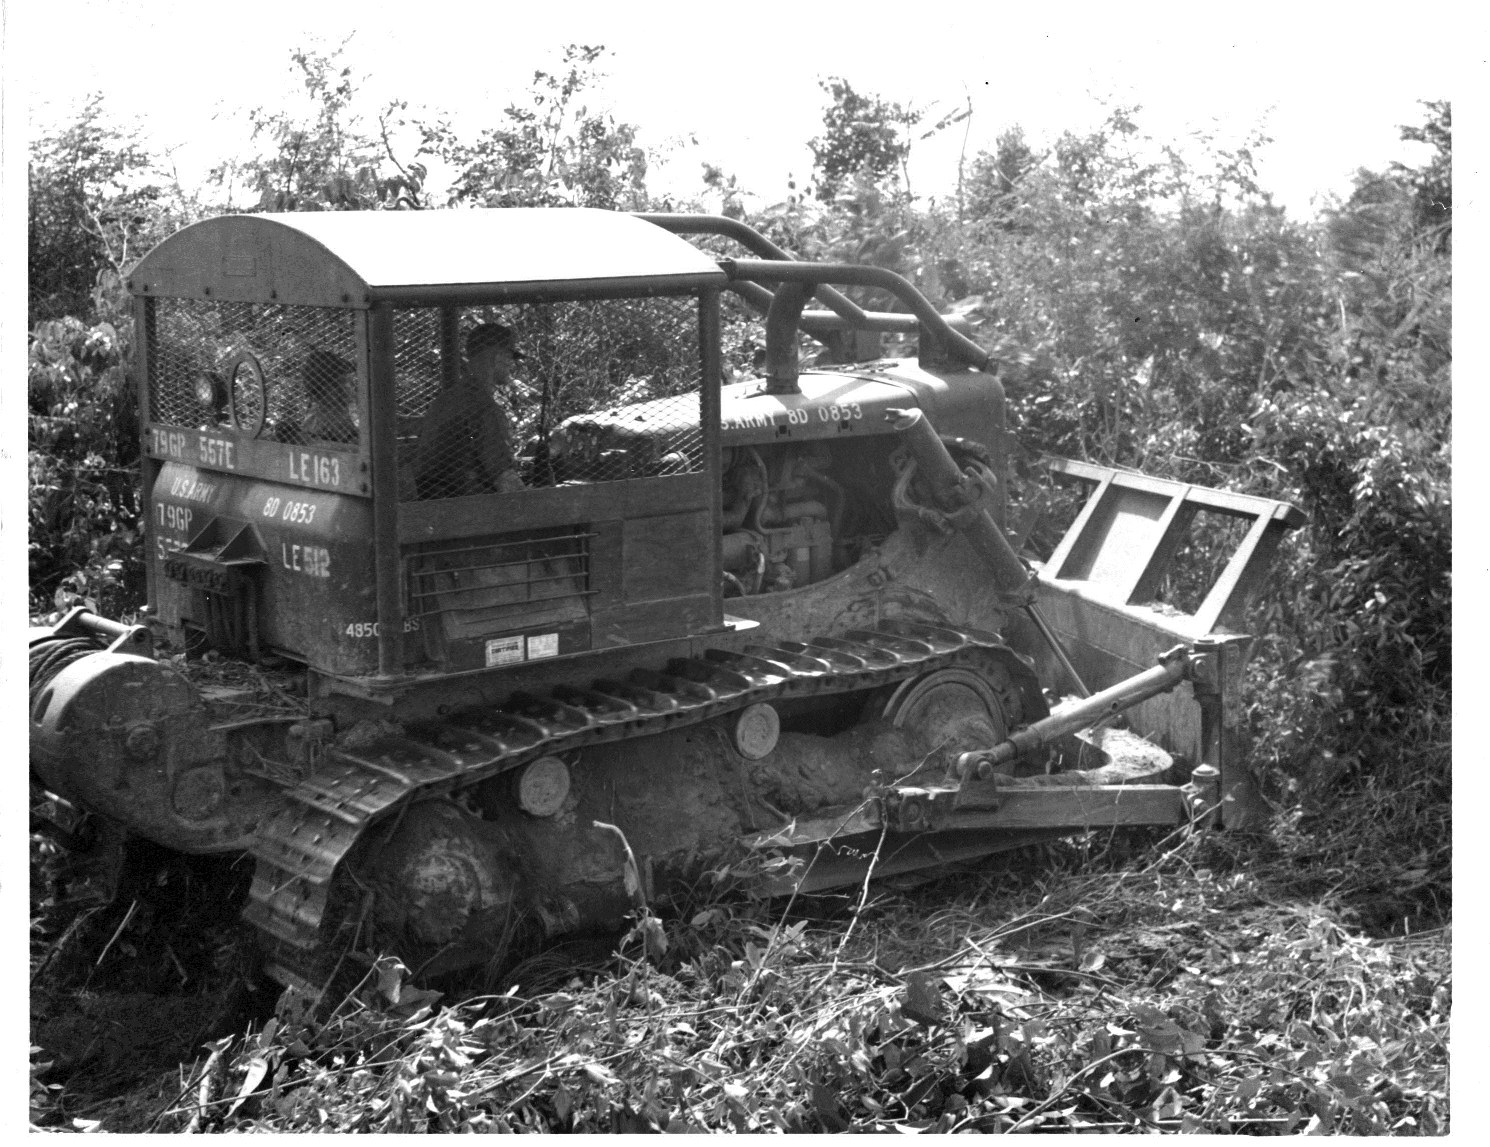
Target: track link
296	852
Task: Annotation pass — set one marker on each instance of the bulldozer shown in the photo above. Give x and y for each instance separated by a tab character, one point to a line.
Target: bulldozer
755	592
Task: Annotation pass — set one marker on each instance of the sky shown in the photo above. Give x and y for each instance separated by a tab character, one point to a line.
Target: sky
1329	83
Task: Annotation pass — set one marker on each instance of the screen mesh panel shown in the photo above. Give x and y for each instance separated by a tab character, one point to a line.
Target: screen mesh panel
594	391
279	372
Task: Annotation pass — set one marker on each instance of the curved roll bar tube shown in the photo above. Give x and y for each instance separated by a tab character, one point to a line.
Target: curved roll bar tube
941	341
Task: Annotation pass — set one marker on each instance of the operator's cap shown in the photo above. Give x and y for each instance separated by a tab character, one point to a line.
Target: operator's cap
490	335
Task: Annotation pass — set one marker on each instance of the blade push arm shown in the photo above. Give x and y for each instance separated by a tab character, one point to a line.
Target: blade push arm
961	493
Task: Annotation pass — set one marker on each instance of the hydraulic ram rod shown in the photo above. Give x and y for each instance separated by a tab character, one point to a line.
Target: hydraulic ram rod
1173	667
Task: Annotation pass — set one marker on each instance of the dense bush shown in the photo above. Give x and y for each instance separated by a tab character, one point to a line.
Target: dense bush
91	209
91	214
1161	313
95	206
84	505
1168	317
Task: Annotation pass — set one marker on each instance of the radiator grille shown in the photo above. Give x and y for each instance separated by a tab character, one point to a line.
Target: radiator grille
502	583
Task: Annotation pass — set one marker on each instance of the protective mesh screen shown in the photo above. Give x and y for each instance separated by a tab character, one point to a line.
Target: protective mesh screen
600	390
278	372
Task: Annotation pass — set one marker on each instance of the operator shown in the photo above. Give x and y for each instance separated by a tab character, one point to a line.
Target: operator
331	392
465	446
328	383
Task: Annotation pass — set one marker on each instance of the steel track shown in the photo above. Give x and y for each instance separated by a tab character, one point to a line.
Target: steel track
297	851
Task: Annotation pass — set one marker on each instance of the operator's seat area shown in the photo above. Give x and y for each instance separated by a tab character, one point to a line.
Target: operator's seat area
604	389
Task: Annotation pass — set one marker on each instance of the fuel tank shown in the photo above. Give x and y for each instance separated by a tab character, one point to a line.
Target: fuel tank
298	560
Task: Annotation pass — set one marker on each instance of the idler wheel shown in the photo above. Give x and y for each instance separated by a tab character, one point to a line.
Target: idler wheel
956	710
443	887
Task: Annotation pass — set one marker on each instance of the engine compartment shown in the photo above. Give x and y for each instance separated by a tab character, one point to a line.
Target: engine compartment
798	513
808	475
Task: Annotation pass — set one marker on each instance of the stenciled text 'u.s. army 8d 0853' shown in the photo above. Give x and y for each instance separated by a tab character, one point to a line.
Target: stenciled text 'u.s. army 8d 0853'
690	618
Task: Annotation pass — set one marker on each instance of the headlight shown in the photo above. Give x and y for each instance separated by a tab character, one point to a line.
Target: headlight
207	390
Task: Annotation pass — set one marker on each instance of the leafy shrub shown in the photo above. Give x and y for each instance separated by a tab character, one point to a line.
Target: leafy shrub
94	209
1172	320
83	422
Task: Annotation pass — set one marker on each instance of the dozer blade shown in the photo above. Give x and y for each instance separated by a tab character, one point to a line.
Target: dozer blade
845	863
902	827
1149	562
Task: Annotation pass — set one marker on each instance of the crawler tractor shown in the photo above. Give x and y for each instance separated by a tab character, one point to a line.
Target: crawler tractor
775	610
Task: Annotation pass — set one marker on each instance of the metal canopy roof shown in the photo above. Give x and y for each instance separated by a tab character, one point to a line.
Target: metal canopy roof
354	258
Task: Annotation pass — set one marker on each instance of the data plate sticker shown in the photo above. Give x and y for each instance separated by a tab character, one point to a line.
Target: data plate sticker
503	651
543	645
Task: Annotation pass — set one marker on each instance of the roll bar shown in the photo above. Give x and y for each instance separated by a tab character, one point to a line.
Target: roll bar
748	278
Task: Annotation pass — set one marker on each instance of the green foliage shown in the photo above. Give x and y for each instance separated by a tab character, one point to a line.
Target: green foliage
84	498
1432	185
1161	314
323	157
863	137
988	193
92	208
552	151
